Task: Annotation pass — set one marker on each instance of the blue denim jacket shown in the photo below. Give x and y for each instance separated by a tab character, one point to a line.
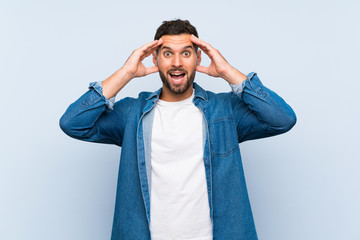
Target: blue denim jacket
250	111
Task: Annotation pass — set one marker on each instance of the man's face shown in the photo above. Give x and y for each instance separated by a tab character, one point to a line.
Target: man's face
177	60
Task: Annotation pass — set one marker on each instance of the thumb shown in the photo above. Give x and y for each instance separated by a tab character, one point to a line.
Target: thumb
202	69
150	70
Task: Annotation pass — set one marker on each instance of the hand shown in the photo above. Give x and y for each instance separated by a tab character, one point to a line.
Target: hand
134	66
218	67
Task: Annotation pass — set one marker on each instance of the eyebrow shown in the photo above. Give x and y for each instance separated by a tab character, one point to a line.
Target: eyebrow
189	46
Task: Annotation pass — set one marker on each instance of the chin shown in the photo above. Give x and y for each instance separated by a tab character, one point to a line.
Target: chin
178	88
177	85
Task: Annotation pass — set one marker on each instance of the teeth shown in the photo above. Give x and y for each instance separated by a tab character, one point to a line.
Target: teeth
176	74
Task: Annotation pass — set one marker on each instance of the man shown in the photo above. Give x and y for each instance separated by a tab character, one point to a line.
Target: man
180	173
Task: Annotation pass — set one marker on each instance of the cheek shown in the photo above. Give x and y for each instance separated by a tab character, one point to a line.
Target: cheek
161	67
162	63
191	63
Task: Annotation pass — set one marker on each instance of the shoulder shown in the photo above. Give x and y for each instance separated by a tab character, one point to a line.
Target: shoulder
218	96
209	95
223	104
142	97
132	102
224	98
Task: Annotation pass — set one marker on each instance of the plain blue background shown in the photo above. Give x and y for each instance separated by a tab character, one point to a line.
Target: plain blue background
302	185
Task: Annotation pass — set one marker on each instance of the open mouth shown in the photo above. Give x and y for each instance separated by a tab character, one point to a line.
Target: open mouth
177	77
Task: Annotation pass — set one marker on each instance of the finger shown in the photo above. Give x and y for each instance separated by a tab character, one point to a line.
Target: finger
202	69
206	47
150	47
140	52
150	70
145	55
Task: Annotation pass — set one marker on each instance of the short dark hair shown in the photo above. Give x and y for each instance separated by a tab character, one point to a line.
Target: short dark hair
175	27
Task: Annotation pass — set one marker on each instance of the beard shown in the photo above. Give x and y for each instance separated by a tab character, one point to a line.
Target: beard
177	88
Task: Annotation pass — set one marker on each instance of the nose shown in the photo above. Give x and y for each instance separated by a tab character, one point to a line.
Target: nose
177	61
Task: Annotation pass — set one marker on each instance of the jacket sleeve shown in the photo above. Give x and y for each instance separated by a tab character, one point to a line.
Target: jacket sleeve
95	118
258	111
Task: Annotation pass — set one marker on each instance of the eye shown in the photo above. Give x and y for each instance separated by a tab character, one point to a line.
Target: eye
186	53
167	54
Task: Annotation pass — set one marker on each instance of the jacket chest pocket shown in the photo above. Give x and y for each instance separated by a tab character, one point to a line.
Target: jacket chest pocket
223	136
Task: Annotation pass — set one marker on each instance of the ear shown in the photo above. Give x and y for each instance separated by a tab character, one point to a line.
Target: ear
154	58
198	57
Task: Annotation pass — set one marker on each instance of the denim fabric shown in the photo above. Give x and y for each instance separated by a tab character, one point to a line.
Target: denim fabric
250	111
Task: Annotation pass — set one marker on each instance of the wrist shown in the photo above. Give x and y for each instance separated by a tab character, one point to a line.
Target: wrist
113	84
234	76
125	74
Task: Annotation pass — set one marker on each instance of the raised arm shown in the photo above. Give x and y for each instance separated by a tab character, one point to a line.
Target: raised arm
93	117
132	68
258	111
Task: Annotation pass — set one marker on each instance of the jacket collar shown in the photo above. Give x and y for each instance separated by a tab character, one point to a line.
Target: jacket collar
199	93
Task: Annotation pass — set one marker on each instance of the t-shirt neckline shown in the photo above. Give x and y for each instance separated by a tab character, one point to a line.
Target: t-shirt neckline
177	103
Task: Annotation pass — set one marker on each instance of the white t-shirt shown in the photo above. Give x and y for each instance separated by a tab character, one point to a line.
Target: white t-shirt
179	207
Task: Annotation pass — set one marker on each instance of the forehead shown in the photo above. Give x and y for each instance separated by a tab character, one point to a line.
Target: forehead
176	41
